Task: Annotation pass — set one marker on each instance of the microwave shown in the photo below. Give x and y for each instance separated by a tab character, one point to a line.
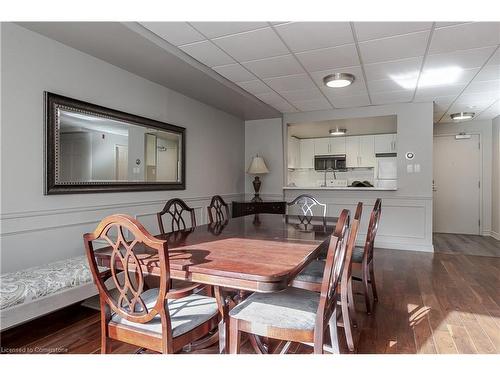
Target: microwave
327	162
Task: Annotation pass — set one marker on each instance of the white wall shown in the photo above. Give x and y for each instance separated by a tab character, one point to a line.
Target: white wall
484	129
407	213
495	178
264	137
37	228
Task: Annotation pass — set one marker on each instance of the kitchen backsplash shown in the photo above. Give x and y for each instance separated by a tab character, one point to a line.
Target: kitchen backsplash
309	177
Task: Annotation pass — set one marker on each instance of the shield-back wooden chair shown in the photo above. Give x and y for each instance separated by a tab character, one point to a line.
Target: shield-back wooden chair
362	257
306	206
175	208
295	314
218	210
156	319
312	276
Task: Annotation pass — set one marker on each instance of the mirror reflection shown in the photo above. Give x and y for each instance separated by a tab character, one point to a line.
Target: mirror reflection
100	149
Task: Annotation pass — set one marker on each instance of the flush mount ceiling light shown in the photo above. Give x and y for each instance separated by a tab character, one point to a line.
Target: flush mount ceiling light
337	80
462	116
337	131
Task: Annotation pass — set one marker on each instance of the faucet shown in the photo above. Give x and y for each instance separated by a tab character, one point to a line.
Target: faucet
326	171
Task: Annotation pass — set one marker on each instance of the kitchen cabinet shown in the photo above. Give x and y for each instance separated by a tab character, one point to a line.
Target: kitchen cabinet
360	151
329	146
385	143
321	146
306	147
293	153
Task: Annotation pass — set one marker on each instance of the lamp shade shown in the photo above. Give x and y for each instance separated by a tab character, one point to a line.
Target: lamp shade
257	166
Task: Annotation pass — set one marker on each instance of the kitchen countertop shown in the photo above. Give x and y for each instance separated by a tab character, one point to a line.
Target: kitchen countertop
335	188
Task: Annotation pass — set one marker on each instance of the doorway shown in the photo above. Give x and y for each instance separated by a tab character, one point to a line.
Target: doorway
457	184
121	163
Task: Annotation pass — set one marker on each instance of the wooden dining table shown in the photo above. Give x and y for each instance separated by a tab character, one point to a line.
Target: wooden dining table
260	253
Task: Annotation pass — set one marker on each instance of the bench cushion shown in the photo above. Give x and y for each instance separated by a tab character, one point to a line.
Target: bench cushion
186	313
313	272
36	282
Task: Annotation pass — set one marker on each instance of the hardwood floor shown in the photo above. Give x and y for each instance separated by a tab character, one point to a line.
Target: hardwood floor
428	303
466	244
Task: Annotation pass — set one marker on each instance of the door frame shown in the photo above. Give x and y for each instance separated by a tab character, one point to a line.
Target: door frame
481	184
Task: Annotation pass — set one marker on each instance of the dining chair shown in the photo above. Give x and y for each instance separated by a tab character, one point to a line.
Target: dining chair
306	204
219	208
362	257
295	314
312	276
156	319
175	208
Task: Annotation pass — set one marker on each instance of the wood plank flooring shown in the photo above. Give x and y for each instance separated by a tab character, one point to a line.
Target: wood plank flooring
466	244
446	302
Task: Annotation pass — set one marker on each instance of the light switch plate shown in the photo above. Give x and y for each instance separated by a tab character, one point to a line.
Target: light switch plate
409	168
417	168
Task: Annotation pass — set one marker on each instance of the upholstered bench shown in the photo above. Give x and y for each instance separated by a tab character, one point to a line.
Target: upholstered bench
36	291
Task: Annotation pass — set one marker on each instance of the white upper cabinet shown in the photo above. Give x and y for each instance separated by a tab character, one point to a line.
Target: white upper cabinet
337	145
329	146
321	146
366	151
385	143
360	151
293	153
306	153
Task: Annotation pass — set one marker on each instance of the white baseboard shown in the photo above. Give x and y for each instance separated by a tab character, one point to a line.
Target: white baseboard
427	248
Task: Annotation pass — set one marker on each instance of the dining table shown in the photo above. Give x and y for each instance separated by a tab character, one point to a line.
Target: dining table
255	253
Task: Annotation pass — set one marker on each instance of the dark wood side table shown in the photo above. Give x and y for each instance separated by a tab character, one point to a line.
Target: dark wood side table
243	208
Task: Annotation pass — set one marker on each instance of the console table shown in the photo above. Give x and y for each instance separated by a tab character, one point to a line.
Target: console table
265	207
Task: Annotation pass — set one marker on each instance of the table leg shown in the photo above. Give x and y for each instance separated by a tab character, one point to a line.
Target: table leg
224	323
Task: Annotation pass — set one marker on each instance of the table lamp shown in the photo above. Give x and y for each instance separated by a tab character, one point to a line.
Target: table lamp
257	166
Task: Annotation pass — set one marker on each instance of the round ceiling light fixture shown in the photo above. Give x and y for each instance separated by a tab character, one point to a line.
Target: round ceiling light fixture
338	131
337	80
462	116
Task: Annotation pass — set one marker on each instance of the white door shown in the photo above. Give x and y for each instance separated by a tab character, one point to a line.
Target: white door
307	153
352	151
121	162
456	196
385	143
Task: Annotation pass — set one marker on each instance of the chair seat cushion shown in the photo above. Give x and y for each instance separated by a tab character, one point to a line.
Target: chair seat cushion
186	313
313	272
36	282
357	255
292	308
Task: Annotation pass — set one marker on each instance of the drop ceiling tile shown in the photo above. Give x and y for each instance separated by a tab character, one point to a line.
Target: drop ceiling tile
351	101
465	59
488	73
394	48
276	101
387	85
252	45
476	107
483	86
312	105
329	58
441	103
303	36
432	78
207	53
391	97
446	90
291	82
465	36
217	29
495	59
375	30
234	72
358	87
255	87
445	24
302	95
386	69
490	112
176	33
274	66
474	98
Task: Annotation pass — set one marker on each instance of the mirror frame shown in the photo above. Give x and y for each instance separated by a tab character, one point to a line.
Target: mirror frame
53	102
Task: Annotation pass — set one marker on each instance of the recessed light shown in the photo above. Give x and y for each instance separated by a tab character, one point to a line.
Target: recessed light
337	80
462	116
337	131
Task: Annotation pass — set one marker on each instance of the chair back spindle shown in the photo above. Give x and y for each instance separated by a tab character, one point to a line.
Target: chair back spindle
175	208
306	204
218	210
